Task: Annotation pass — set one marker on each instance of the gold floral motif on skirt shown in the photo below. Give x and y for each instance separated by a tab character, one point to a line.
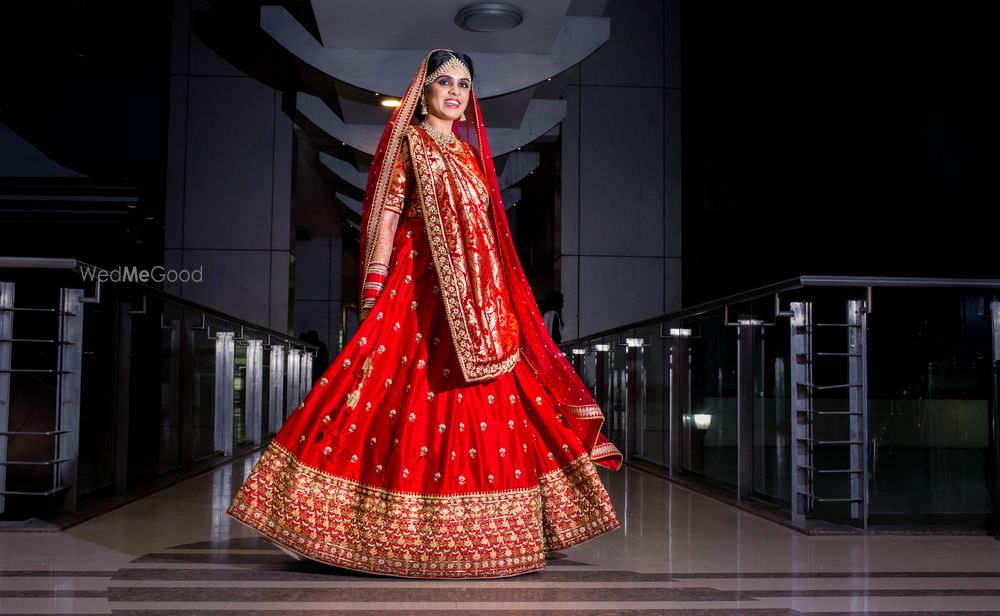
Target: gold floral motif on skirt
485	534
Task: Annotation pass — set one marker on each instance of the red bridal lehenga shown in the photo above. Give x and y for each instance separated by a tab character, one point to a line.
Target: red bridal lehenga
450	438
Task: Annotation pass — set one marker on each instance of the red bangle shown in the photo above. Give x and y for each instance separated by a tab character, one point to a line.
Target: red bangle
374	283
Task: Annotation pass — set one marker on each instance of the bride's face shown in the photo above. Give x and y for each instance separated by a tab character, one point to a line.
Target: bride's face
448	96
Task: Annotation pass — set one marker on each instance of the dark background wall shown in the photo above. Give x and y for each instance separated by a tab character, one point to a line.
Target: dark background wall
836	138
840	138
86	84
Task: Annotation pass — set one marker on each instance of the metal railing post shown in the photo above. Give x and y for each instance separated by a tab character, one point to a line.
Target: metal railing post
254	389
276	400
801	351
225	351
995	318
6	333
68	393
857	350
294	365
305	373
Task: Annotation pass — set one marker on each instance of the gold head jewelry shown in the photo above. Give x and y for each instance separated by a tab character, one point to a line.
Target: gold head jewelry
452	64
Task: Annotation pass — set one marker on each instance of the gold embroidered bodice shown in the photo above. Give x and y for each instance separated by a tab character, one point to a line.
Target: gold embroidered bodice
467	178
441	181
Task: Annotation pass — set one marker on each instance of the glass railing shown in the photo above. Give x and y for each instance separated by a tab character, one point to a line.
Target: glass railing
822	401
111	389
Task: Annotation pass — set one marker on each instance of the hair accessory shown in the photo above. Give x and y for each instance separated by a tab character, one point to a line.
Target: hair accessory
452	64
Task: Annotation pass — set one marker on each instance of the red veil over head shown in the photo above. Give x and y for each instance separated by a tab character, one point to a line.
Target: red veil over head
537	348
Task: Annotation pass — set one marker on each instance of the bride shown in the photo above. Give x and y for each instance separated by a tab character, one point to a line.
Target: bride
450	438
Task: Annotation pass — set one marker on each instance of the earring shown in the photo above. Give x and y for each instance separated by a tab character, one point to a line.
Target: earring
423	106
463	117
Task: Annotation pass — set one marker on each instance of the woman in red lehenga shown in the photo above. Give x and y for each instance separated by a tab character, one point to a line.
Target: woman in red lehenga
450	438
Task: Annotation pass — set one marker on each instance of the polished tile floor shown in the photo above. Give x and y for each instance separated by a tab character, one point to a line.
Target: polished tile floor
678	552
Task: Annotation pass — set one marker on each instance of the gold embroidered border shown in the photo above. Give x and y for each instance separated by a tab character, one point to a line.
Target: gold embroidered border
589	411
472	370
585	412
404	112
605	450
487	534
577	507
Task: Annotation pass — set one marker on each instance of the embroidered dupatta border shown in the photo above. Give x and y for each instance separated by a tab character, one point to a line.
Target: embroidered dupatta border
600	452
376	187
472	369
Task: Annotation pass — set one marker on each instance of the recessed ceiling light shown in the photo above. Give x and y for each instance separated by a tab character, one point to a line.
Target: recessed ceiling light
390	102
489	17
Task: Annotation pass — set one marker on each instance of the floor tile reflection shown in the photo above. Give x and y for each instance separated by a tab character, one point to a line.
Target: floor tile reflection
677	552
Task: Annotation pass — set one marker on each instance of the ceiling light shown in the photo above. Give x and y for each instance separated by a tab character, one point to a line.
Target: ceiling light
390	102
489	17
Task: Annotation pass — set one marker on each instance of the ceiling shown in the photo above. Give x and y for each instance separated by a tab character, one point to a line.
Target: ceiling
391	24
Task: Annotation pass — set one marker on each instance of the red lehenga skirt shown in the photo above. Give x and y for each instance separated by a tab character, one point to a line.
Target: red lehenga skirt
393	464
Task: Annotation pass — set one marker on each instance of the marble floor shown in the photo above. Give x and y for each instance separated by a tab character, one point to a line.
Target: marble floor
678	552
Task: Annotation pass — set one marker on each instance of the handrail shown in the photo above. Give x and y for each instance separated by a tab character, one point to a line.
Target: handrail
793	284
75	265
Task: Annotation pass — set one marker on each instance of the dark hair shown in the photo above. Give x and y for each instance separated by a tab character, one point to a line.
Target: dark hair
438	58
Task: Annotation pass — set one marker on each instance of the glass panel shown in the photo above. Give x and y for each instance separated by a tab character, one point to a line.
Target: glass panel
170	387
202	390
653	393
240	431
97	399
603	383
772	413
148	429
710	429
929	418
616	394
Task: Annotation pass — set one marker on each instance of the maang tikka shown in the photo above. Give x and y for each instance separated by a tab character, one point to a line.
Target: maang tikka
453	64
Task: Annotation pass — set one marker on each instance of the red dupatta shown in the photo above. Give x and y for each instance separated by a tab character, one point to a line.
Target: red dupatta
537	348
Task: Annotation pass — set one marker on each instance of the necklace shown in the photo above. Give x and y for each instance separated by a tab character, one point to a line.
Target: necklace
443	139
